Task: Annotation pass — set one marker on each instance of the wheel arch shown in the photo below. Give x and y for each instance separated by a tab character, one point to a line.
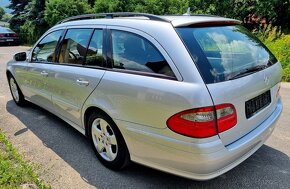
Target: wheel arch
92	109
89	111
8	73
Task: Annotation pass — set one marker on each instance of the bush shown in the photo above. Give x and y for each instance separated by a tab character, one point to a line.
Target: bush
28	33
279	45
56	10
268	33
281	49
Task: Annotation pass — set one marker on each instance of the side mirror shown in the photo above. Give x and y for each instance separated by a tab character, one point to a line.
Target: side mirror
20	56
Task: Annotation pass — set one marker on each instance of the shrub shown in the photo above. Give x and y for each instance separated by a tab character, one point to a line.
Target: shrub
281	49
56	10
279	45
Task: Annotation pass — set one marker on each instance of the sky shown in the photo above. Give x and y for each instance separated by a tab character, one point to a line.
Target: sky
4	3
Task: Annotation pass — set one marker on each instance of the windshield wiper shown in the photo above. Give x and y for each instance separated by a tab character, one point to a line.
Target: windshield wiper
248	71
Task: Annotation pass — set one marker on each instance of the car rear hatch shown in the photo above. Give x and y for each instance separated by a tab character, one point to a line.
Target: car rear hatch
237	69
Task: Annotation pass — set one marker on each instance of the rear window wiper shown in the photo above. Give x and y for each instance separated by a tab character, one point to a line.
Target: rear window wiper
248	71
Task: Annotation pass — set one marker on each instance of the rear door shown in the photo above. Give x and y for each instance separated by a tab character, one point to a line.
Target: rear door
237	69
78	72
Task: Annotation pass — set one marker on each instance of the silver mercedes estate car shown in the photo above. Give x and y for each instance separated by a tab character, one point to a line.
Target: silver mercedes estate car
192	95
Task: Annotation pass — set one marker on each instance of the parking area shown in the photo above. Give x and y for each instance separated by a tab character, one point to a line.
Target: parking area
64	158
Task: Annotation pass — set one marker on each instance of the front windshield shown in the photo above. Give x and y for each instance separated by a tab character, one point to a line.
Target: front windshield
221	52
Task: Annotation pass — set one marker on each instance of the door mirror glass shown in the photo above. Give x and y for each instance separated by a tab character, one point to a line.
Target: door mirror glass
20	56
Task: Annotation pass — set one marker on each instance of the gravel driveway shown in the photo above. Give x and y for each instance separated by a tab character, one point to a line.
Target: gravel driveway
64	158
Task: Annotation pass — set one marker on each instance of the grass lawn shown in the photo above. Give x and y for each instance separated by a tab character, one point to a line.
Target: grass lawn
14	171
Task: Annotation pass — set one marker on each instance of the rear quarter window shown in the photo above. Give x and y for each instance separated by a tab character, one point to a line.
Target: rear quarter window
135	53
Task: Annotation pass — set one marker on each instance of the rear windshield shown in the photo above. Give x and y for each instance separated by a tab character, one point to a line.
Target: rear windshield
222	53
5	30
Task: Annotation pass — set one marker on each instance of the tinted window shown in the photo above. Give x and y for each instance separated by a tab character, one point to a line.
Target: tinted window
45	49
224	52
74	46
132	52
95	50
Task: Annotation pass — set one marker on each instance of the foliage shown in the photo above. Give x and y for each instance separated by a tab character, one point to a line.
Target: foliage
281	48
110	6
147	6
19	14
163	6
2	12
279	45
6	17
57	10
35	24
268	33
14	171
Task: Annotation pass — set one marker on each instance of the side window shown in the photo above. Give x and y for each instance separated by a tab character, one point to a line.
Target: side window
45	49
95	50
133	52
74	46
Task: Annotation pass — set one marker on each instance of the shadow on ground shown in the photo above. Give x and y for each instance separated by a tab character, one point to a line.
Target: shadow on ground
267	168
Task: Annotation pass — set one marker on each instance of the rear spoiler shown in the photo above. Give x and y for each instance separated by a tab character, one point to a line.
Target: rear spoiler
208	21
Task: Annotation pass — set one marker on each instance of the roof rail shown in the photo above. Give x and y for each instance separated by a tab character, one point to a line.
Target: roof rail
112	15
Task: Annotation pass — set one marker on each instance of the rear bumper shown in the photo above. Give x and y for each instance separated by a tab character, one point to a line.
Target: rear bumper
7	40
199	161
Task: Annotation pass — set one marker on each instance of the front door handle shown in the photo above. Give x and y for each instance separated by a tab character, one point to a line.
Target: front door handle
82	82
44	73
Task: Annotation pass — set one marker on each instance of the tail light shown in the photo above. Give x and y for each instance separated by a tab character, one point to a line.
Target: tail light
1	34
203	122
14	35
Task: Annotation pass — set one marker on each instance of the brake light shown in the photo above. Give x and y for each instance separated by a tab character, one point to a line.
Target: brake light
203	122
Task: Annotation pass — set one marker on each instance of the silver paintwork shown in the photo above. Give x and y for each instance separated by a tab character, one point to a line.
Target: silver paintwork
140	105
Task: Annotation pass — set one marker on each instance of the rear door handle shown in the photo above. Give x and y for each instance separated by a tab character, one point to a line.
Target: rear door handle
44	73
82	82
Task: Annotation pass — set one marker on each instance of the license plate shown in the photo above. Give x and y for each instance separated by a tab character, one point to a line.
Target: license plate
258	103
9	40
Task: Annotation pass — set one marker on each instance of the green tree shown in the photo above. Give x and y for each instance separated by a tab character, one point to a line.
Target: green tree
19	13
6	17
276	11
35	24
147	6
161	7
110	6
56	10
2	12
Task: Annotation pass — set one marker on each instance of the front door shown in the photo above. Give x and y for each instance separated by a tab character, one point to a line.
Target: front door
37	71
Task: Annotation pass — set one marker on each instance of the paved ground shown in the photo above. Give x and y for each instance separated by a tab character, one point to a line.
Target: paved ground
65	160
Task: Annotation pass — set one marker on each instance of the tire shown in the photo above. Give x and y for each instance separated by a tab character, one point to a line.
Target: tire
16	93
107	141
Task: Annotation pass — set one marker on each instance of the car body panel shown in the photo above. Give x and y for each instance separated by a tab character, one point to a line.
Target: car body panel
142	97
238	91
68	96
191	159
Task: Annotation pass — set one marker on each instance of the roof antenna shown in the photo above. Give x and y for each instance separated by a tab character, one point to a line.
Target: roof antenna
187	12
